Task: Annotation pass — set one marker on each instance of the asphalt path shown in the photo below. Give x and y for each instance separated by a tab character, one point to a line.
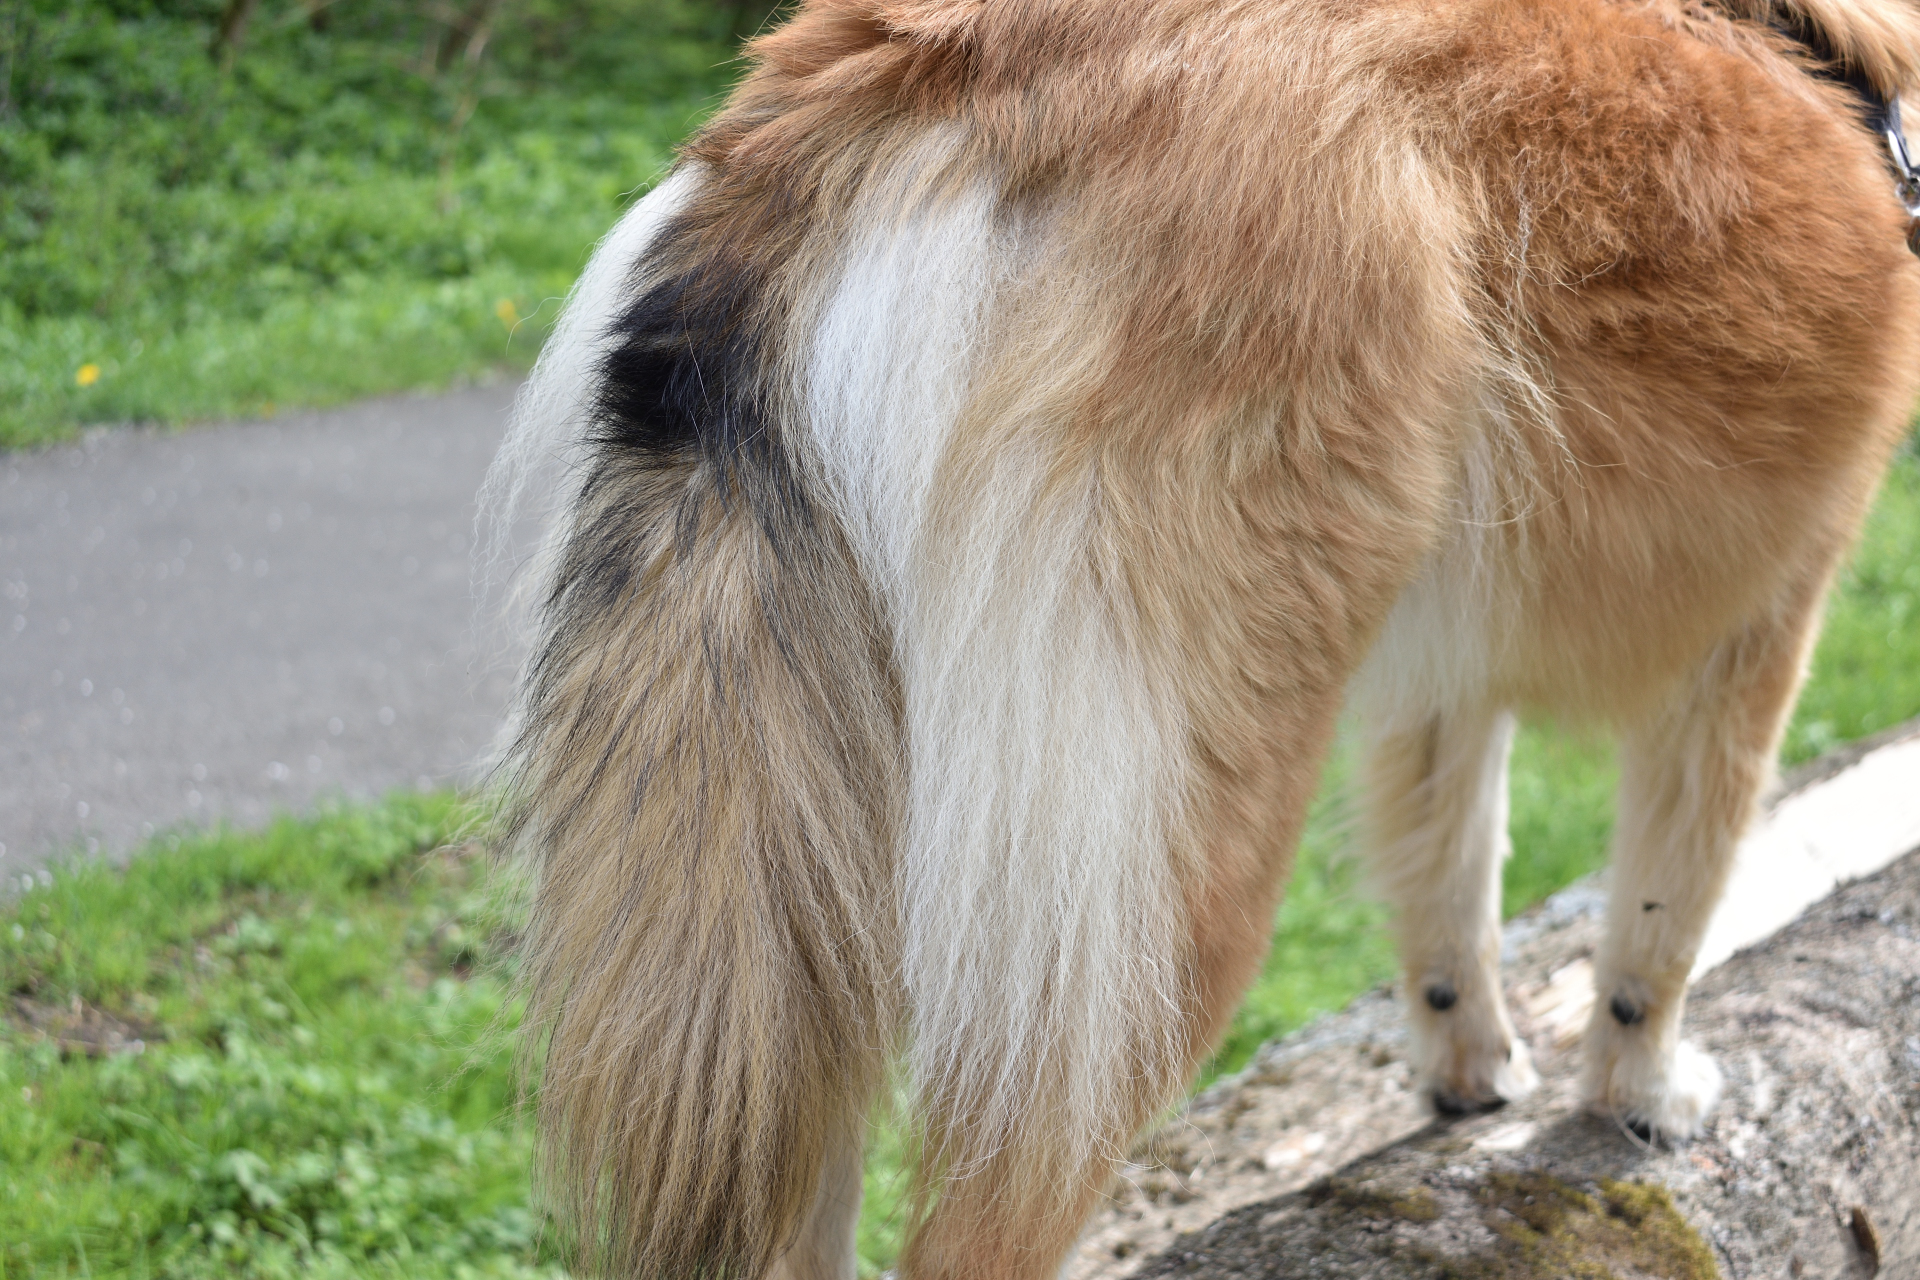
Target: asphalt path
227	622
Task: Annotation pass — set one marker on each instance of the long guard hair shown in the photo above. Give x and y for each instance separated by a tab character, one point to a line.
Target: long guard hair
990	456
711	742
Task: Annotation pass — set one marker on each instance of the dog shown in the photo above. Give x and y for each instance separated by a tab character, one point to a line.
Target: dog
1008	438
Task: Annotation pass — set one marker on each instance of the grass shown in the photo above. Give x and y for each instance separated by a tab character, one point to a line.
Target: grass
325	1089
338	211
365	333
1866	672
320	1091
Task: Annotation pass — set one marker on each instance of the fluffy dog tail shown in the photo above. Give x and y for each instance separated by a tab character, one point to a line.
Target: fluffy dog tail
845	730
704	765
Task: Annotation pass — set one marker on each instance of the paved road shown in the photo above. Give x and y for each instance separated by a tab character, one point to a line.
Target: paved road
229	621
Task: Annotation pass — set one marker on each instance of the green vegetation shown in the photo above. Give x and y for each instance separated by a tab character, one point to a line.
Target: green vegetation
357	197
264	1055
1372	1199
325	1088
1866	672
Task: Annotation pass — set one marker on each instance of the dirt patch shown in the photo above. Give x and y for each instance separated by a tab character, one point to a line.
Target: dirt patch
80	1029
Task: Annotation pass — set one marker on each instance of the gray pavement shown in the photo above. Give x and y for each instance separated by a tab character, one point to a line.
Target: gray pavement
226	622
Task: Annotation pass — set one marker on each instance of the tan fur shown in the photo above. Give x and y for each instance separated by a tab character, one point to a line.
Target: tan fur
1874	37
1547	349
1436	815
710	778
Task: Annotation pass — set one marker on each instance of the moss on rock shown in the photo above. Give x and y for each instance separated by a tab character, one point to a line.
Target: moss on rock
1374	1201
1548	1228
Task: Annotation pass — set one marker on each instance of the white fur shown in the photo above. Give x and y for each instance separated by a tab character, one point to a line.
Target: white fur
1444	640
1439	866
543	449
1434	652
1432	674
891	355
1041	937
1667	1088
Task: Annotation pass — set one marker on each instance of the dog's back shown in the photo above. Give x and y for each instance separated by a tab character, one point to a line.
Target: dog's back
1006	435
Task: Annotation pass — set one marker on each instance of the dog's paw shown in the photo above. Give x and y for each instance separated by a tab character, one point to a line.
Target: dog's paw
1652	1097
1464	1070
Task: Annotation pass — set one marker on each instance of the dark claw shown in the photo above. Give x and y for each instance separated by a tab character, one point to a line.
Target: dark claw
1449	1103
1441	997
1641	1130
1626	1012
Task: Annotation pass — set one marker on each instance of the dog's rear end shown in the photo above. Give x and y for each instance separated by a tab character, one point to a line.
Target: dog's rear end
1007	432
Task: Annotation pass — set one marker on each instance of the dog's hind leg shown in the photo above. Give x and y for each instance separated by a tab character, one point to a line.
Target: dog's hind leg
1436	809
1005	1218
824	1249
1691	773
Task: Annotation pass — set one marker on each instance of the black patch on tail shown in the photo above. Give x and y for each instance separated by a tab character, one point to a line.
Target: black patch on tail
684	374
685	379
684	388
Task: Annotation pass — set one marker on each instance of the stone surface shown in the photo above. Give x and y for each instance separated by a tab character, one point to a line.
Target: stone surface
1310	1104
1810	1165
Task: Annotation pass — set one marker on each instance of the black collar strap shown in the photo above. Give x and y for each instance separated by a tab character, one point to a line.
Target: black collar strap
1906	177
1882	116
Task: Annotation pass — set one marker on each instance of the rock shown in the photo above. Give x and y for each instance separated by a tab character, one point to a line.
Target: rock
1810	1166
